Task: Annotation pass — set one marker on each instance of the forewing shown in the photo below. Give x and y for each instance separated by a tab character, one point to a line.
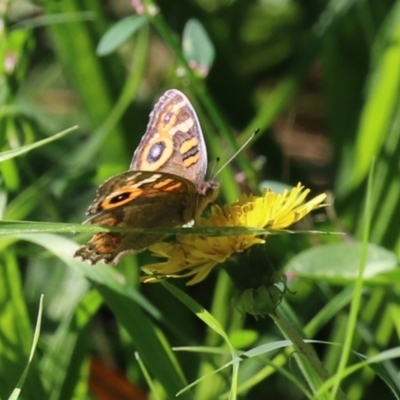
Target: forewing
173	141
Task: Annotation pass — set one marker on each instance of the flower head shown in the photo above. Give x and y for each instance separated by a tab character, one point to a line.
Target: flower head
198	255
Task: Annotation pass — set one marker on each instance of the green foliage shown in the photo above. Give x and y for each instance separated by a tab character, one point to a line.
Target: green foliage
197	47
119	33
281	66
338	263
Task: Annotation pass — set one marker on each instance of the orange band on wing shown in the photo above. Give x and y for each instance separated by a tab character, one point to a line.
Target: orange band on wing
134	193
188	145
191	160
163	183
173	187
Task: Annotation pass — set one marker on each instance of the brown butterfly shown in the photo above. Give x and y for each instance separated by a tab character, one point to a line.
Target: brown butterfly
164	187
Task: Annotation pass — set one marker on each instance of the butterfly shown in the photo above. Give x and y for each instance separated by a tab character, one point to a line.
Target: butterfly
164	187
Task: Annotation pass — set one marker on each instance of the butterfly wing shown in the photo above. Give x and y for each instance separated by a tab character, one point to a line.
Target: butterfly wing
141	200
173	141
164	187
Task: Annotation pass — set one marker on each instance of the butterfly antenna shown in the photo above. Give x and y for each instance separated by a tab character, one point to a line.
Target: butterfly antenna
237	152
217	160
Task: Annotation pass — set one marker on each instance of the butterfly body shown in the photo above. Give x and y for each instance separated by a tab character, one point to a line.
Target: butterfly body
165	186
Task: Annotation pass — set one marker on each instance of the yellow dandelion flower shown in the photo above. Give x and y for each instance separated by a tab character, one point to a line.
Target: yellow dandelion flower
198	255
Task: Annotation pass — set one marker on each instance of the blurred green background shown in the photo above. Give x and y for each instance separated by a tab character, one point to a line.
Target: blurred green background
320	79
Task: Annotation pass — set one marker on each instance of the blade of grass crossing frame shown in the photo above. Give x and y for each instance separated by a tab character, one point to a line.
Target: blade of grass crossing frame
131	86
75	44
127	304
7	155
208	319
153	387
15	394
149	341
383	97
62	363
15	342
358	287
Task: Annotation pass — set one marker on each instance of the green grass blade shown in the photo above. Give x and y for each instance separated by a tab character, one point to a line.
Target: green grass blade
7	155
15	342
212	323
201	313
127	304
152	385
383	97
9	228
148	340
329	311
89	149
391	354
356	301
69	349
15	394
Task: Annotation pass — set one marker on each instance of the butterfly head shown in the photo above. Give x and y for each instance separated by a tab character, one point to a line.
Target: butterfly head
208	192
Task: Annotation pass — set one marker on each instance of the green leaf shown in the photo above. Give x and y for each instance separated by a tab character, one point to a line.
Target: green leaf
16	392
16	334
339	263
197	47
119	33
9	228
127	304
385	355
383	97
67	354
243	338
6	155
212	323
200	311
275	186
